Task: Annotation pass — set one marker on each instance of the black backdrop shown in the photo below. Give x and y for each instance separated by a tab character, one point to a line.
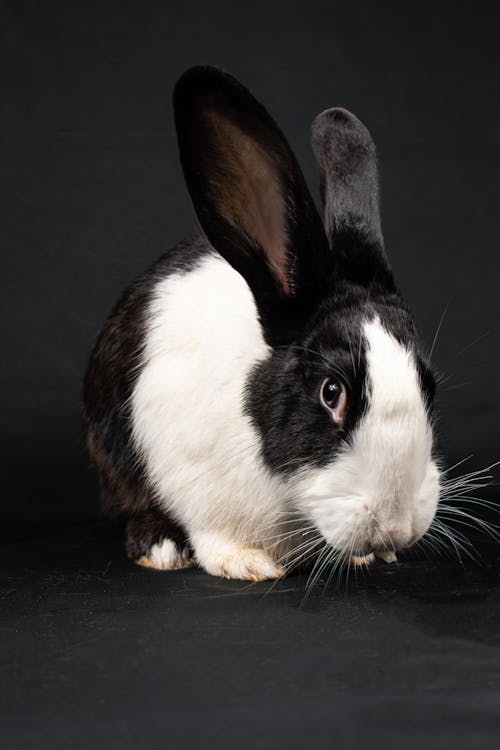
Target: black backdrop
92	190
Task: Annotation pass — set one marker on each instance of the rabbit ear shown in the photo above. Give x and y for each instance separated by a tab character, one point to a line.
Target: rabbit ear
346	155
248	190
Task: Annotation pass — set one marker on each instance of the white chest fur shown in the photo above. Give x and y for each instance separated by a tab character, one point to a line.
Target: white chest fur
200	449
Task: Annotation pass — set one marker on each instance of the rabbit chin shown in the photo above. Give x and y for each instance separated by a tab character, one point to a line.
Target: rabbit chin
380	491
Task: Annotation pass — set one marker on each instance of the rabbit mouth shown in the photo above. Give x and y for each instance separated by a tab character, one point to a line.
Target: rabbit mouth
364	561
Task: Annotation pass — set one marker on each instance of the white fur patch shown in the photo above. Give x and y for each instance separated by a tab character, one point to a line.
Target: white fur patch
165	555
221	556
200	448
382	491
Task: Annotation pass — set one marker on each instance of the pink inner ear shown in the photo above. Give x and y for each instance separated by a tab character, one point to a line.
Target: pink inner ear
250	194
270	230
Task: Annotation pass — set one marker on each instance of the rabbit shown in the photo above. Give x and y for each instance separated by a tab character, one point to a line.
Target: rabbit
262	389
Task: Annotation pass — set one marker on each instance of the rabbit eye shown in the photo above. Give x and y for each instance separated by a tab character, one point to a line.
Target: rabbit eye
333	398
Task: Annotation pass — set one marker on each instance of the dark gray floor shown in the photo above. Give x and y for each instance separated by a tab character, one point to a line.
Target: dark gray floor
96	652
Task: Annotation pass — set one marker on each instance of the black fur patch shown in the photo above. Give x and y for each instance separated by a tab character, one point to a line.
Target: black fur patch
149	528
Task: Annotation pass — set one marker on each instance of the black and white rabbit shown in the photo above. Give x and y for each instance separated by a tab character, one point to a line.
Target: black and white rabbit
268	372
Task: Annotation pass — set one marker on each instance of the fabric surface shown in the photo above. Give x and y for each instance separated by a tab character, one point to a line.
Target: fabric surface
97	652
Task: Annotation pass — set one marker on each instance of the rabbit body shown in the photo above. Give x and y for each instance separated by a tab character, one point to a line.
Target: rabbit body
260	396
